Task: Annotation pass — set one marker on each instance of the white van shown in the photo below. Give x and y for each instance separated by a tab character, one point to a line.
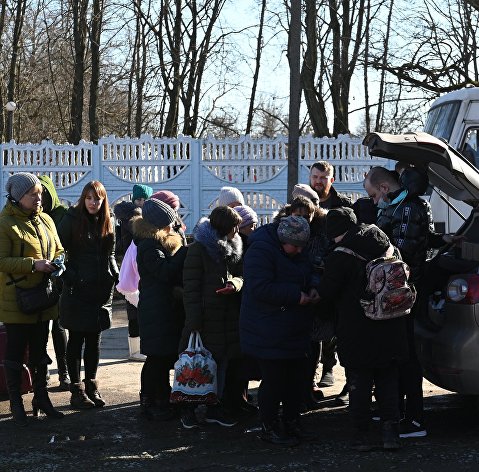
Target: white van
454	117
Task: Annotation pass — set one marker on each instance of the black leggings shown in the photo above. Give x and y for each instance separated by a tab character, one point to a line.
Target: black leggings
34	336
91	354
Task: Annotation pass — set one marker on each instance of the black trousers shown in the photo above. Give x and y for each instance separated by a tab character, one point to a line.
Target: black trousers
282	383
34	336
360	383
91	354
410	379
133	327
155	377
59	338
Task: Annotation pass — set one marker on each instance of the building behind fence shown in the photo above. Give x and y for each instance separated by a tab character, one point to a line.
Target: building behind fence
194	169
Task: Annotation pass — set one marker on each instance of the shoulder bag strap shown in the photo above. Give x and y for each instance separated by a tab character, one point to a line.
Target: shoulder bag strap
349	251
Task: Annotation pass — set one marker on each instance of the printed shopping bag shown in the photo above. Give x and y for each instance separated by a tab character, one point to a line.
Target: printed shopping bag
195	374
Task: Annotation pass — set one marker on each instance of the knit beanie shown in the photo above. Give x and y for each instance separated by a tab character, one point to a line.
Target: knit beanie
339	220
141	191
230	195
248	215
306	191
158	213
168	197
20	183
293	230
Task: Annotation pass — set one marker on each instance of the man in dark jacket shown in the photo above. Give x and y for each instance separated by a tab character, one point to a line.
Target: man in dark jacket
321	179
369	350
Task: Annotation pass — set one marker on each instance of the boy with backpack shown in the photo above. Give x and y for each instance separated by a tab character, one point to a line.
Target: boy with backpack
369	349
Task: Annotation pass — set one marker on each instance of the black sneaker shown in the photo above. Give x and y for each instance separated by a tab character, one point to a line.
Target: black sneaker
275	435
327	379
188	419
216	414
411	429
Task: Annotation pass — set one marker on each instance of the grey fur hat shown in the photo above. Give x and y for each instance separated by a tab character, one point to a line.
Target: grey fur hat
306	191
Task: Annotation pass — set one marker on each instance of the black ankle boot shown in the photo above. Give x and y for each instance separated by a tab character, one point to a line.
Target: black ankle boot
79	399
13	377
91	390
41	402
274	434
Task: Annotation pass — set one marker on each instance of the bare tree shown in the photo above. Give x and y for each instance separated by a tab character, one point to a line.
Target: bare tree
79	18
95	37
259	49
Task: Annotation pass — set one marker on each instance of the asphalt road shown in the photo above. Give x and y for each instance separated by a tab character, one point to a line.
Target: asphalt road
116	438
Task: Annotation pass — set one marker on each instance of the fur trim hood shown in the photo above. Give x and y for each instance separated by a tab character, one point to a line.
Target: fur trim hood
170	242
126	210
218	248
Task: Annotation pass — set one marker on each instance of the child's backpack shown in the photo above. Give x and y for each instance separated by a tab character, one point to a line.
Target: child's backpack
388	293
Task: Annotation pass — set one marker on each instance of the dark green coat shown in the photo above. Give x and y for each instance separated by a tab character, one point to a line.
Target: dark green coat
86	299
161	316
210	263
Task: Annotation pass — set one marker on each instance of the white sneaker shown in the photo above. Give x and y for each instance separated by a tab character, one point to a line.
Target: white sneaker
134	347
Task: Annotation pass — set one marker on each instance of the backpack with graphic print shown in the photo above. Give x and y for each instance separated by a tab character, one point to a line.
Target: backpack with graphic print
388	293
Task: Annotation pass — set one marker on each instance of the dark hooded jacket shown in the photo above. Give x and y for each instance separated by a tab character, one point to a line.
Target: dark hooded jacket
50	201
211	262
410	227
124	212
362	342
160	259
86	299
273	325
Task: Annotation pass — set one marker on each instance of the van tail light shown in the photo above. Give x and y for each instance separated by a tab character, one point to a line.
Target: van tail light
463	289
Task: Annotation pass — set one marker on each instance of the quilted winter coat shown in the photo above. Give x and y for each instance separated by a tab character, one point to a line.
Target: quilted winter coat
16	230
210	263
86	299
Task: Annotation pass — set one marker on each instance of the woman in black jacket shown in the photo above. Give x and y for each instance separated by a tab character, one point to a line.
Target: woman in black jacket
160	257
87	234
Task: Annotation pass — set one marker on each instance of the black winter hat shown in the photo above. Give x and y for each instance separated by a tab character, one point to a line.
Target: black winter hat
339	220
157	213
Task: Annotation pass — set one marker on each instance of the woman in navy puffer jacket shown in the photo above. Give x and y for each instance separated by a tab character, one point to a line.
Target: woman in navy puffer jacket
275	321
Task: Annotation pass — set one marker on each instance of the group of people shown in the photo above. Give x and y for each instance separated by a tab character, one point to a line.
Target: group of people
269	302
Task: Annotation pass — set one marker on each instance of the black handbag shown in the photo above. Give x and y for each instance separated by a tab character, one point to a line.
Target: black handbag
35	299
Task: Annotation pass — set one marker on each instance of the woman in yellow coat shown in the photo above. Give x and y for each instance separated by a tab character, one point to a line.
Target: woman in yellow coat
28	245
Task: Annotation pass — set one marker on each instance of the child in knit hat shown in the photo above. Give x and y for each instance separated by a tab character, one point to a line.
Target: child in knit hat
249	220
160	257
141	193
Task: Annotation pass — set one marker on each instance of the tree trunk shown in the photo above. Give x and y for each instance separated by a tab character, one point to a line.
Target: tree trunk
79	10
95	37
314	100
294	52
259	49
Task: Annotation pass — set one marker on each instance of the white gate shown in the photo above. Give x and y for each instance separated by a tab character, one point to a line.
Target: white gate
194	169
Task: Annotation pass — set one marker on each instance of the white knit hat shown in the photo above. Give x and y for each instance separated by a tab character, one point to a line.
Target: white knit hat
229	195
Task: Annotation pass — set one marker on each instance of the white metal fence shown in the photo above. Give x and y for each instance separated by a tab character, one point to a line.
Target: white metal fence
194	169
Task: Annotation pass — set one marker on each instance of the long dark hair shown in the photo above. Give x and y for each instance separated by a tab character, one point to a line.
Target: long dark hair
103	226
